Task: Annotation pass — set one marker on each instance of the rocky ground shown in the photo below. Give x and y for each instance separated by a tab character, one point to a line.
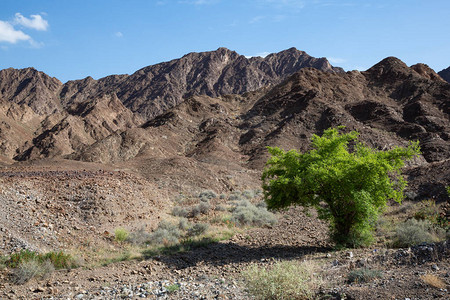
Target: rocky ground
214	271
73	172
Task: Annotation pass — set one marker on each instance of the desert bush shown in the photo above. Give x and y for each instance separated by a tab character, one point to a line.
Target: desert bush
222	196
246	213
59	260
165	234
178	211
433	281
172	288
139	237
207	195
120	235
249	194
28	264
3	260
428	210
183	224
348	187
27	270
414	232
200	209
283	280
17	258
220	208
235	196
362	275
197	229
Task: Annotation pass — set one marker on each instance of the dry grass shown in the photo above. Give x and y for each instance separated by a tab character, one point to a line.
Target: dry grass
283	280
433	281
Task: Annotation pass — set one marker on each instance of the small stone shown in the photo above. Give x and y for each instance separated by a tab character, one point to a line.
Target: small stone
435	267
38	290
350	254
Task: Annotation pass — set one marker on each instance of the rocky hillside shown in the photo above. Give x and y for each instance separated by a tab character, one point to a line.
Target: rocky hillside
154	89
31	87
445	74
112	120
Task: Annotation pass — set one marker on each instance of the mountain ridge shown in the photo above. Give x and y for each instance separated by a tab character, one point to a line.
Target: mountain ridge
153	89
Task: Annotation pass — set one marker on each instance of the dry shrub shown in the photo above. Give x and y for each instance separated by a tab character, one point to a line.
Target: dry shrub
27	270
283	280
166	234
363	275
433	280
414	232
246	213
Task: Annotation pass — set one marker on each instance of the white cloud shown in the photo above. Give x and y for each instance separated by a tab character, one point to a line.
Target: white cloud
10	35
118	34
285	4
256	19
336	60
260	54
198	2
35	22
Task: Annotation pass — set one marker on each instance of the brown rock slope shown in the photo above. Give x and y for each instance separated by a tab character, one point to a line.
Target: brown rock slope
81	125
445	74
31	87
154	89
389	104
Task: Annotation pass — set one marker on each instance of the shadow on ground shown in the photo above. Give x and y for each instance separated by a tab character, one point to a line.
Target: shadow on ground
221	254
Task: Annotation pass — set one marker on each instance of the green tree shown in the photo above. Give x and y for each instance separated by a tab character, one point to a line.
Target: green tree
348	188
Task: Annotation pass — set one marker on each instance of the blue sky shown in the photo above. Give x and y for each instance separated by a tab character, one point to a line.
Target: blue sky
74	39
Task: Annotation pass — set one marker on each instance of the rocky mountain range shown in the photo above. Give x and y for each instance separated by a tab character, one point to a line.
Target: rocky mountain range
153	89
220	108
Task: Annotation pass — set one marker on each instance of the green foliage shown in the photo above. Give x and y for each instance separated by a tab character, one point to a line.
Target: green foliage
121	235
414	232
246	213
284	280
363	275
59	260
172	288
348	188
428	210
28	264
22	256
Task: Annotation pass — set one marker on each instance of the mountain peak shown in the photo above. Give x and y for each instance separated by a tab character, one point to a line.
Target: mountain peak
445	74
426	72
388	67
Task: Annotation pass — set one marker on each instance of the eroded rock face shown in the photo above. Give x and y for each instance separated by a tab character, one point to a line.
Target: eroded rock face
31	87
